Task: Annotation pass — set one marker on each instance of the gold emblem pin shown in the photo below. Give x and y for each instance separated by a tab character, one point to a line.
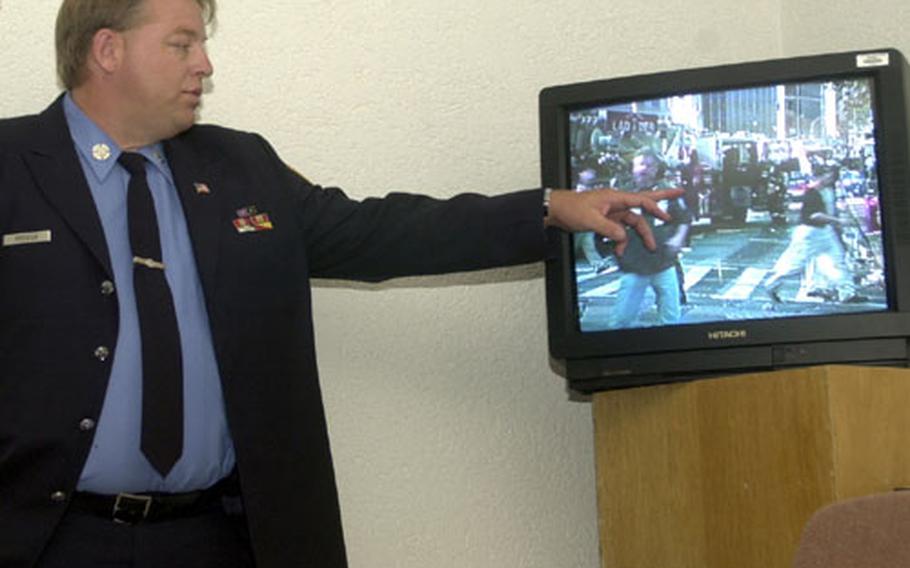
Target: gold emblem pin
101	152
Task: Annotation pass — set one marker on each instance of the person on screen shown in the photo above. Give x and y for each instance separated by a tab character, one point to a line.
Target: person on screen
693	182
129	230
815	245
660	269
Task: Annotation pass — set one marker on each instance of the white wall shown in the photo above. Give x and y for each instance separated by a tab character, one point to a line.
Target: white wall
455	444
811	26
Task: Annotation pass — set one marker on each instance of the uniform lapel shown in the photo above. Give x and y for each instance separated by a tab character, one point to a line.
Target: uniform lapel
55	166
197	185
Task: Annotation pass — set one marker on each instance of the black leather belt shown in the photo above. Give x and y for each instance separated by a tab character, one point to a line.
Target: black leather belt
133	508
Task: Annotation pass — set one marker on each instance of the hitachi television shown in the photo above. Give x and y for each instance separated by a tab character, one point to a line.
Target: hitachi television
789	245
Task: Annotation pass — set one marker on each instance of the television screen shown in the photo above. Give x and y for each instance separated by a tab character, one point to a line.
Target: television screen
779	218
790	244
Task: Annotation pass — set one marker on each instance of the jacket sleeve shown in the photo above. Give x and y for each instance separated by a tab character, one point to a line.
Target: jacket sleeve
406	234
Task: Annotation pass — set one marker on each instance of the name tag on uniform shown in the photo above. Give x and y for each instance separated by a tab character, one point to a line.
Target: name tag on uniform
29	238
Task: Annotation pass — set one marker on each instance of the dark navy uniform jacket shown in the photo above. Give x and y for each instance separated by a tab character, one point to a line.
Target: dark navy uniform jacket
57	309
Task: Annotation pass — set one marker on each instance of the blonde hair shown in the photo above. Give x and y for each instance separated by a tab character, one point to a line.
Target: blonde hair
79	20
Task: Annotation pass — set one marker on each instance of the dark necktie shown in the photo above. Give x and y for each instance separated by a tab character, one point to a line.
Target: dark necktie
162	365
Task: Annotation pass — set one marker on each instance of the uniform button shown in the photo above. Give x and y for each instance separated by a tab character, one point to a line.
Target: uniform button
58	496
102	353
107	287
86	424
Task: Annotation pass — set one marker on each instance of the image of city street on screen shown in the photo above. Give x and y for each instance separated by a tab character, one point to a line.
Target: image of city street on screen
779	216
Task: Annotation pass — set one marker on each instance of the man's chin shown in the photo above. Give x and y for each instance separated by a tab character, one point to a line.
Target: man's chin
183	124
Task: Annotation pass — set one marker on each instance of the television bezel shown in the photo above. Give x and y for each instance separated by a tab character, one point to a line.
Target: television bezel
633	357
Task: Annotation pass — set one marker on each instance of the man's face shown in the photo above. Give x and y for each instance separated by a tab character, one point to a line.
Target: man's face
644	171
164	64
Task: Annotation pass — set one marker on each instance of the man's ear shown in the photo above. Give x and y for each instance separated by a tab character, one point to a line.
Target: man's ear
106	51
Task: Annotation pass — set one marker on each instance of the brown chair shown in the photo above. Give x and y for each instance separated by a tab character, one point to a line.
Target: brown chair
863	532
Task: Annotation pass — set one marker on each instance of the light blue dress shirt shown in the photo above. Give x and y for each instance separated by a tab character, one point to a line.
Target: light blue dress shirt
115	463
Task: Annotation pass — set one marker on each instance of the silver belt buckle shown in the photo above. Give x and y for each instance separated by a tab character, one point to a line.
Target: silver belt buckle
130	508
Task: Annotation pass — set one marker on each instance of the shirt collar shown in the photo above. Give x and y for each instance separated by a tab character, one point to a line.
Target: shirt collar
98	149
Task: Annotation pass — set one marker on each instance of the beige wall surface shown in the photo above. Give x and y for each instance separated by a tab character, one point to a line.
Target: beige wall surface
456	446
814	26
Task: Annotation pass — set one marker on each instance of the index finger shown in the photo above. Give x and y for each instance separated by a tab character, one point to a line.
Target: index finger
661	194
648	201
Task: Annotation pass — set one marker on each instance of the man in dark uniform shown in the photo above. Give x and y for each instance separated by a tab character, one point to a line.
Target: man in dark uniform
643	268
159	400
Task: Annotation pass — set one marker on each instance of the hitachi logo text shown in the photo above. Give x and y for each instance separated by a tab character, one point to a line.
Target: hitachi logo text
727	334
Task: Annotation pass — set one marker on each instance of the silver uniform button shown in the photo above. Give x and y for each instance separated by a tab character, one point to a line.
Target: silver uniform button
86	424
107	287
58	496
102	353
